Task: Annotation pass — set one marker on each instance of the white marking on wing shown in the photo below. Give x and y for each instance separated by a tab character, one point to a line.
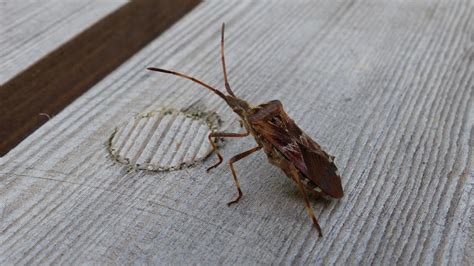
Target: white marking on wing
290	147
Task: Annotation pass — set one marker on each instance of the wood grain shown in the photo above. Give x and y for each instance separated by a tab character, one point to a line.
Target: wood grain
385	86
30	29
150	141
50	84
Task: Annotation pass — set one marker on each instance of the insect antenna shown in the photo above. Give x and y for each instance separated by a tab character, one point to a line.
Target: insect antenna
227	86
220	94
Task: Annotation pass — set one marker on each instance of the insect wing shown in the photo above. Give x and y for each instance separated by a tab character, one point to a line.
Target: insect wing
321	171
304	153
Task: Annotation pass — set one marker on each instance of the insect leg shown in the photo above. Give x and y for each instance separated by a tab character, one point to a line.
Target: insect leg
222	135
234	174
296	177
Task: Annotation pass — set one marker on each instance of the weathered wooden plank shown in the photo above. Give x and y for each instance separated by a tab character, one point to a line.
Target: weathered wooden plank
384	86
77	64
31	29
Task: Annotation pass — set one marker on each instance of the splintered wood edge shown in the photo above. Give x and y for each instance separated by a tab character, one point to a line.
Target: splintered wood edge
210	119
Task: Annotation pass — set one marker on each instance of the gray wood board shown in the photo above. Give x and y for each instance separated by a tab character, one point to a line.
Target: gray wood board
386	87
31	29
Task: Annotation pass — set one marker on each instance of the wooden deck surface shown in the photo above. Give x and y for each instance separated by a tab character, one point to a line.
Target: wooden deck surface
31	29
65	48
385	86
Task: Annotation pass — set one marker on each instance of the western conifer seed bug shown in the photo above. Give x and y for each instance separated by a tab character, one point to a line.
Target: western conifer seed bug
284	143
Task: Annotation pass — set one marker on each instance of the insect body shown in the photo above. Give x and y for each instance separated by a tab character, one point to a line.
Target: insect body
284	143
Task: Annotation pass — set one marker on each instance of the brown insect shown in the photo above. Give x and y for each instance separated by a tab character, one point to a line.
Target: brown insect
285	144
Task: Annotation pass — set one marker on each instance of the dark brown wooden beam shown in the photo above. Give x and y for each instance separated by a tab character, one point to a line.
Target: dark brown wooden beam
56	80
